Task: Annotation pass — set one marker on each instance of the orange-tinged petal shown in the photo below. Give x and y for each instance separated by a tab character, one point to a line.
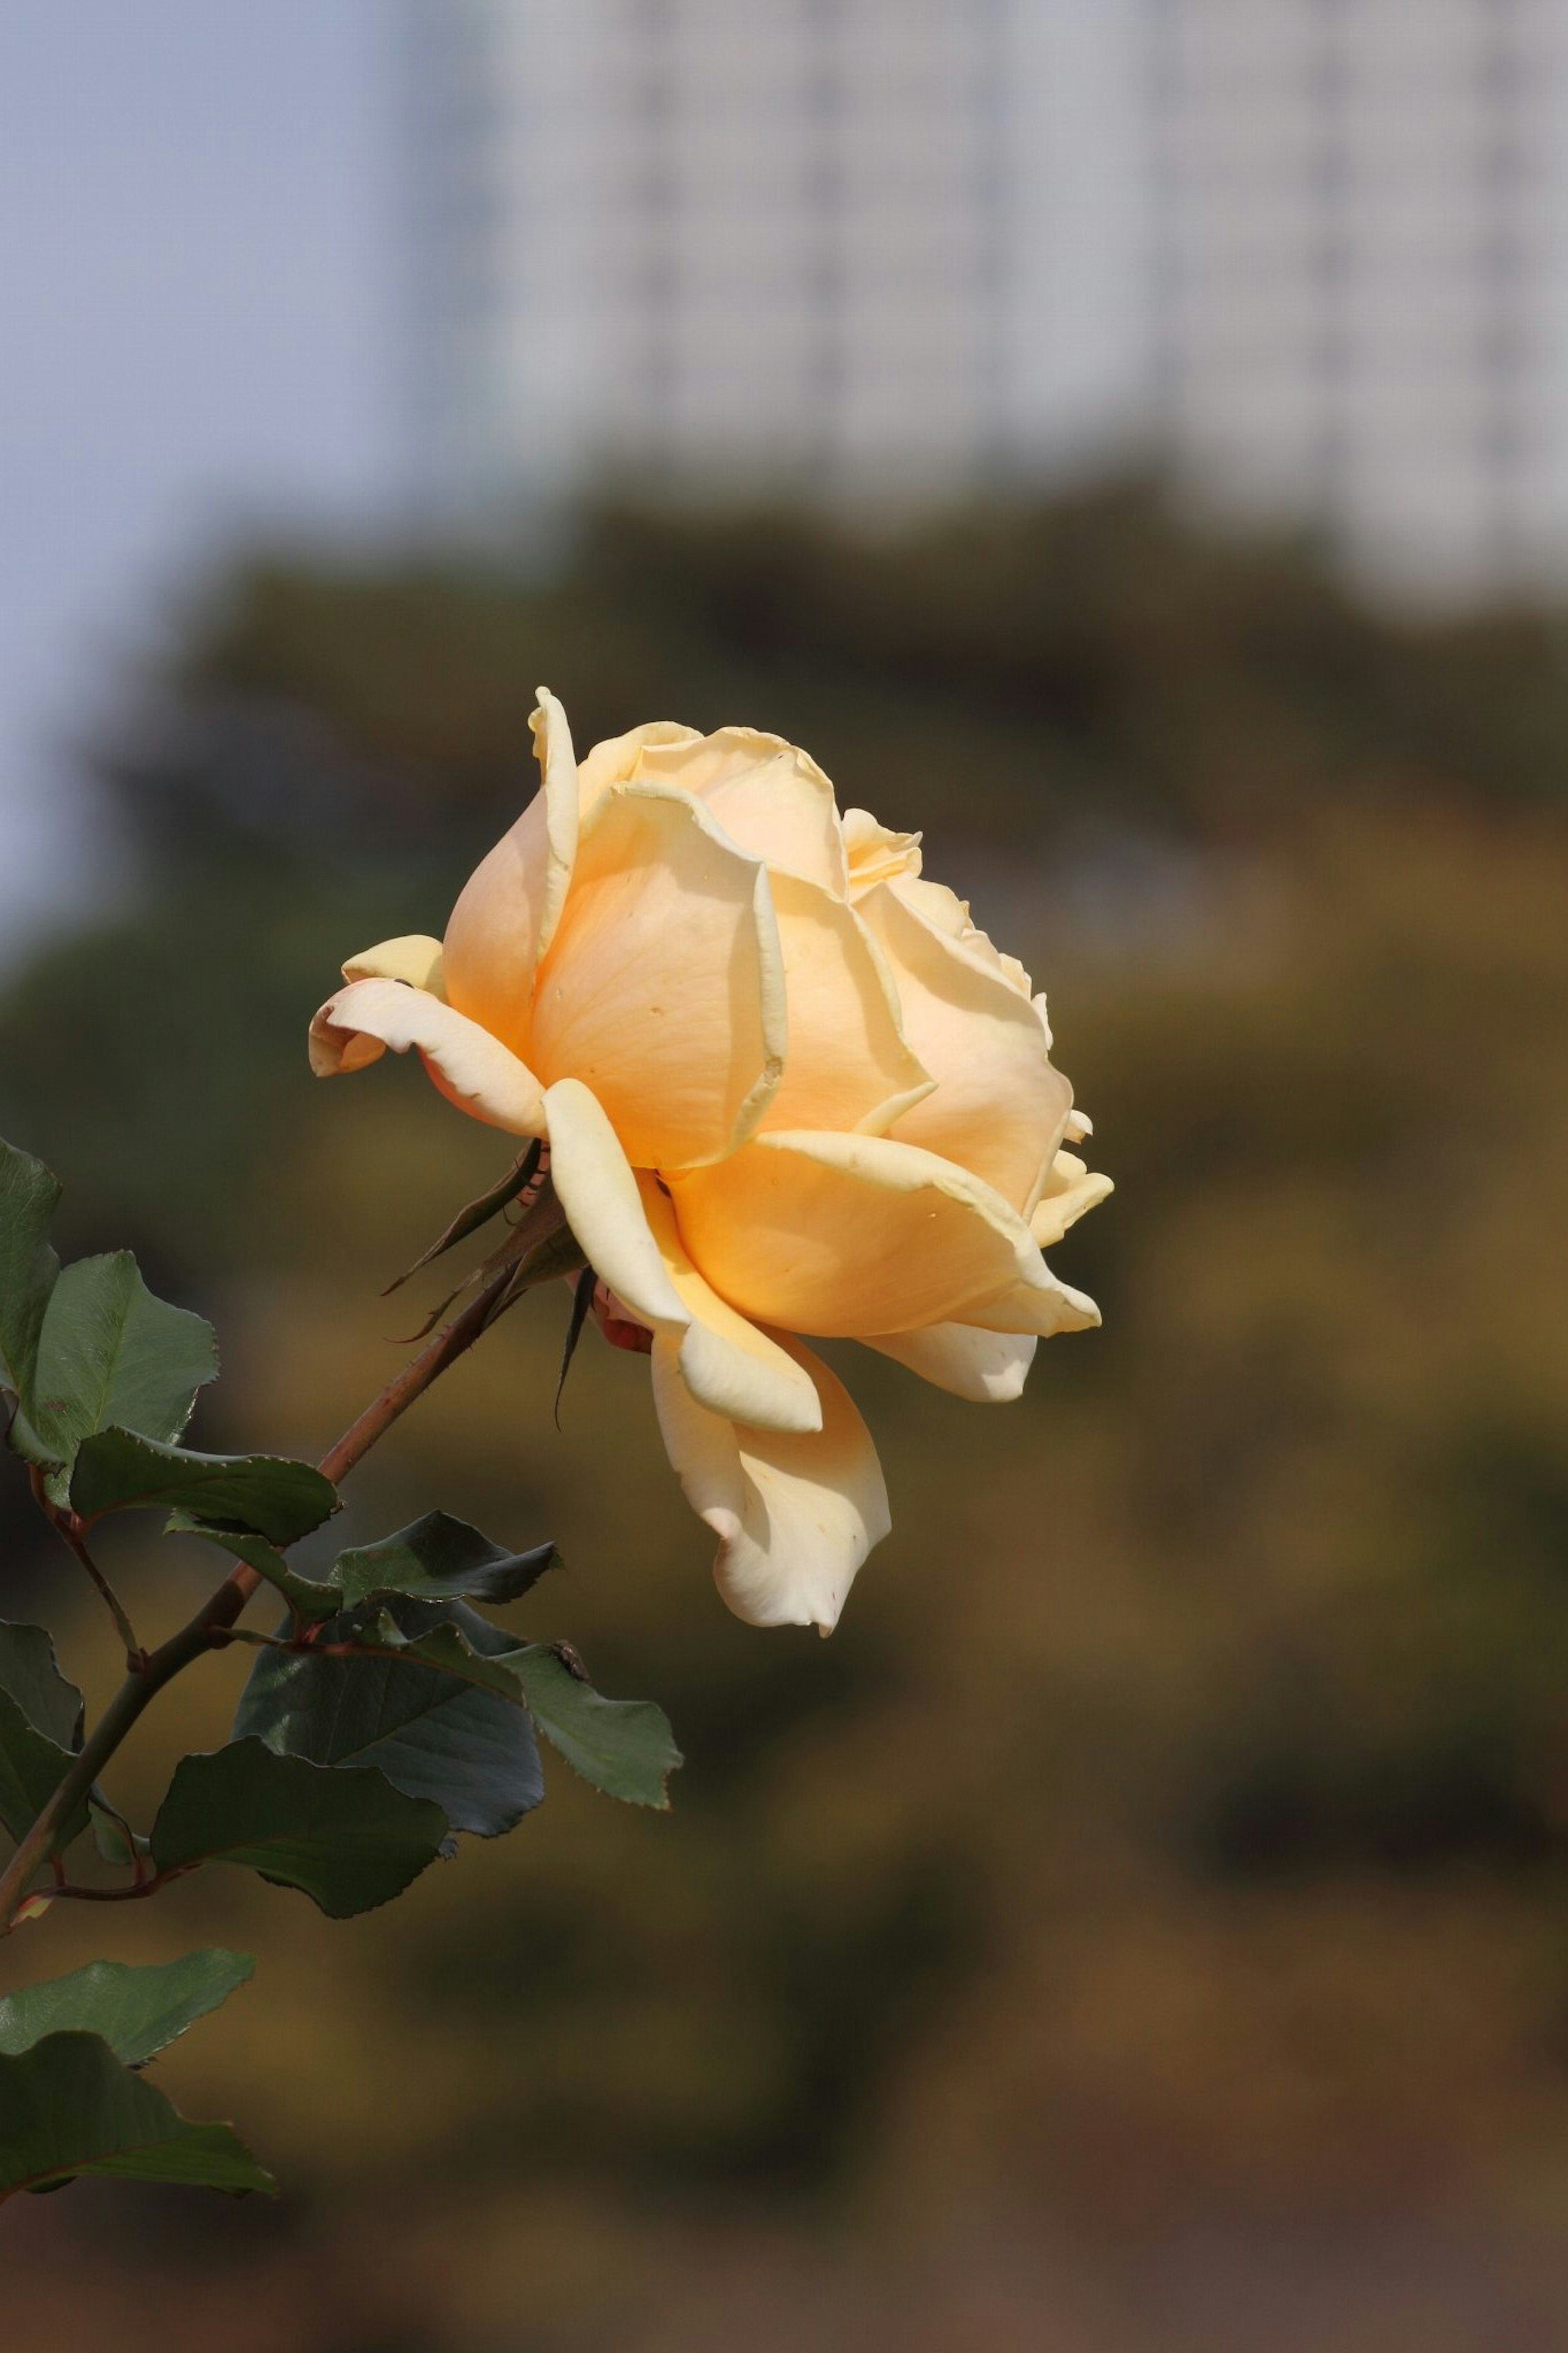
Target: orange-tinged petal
796	1515
771	799
663	991
847	1064
999	1106
512	904
727	1363
846	1235
471	1068
616	761
626	1230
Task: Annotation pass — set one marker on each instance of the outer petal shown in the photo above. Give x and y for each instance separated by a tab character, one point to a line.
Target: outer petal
988	1368
472	1069
848	1065
999	1106
1069	1192
726	1361
771	799
616	760
512	904
795	1516
627	1229
853	1234
664	990
946	911
415	958
875	854
1043	1308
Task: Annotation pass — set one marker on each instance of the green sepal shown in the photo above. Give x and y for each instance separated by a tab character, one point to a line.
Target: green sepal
346	1838
69	2107
138	2010
479	1212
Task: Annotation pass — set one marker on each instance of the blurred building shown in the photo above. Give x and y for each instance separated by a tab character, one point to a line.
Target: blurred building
1313	251
1360	284
871	244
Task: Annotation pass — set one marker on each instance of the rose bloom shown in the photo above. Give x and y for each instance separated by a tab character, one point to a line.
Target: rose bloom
787	1087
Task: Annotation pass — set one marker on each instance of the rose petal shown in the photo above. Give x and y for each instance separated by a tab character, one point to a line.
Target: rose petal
852	1234
796	1515
1043	1308
946	912
664	990
988	1368
415	958
1069	1192
771	799
626	1230
848	1065
615	761
875	854
999	1107
512	904
727	1363
471	1068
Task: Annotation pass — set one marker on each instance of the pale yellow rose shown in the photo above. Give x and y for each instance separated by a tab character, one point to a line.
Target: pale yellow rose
787	1087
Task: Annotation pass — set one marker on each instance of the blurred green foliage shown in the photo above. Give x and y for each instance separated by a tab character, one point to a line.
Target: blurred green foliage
1172	1840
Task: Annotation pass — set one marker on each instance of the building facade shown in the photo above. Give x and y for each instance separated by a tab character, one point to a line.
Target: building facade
1359	285
873	246
1311	253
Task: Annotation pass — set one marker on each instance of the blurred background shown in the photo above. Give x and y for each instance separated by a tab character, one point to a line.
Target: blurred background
1129	441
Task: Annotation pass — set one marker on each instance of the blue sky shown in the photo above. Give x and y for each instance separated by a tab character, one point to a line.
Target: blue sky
199	202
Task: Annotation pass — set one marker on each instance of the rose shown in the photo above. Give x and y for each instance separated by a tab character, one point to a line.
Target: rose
787	1086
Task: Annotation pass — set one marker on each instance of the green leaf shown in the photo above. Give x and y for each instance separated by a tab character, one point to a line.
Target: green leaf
439	1559
435	1558
29	1672
306	1595
623	1747
115	1840
40	1728
68	2106
347	1839
472	1752
138	2011
110	1355
28	1267
31	1769
116	1471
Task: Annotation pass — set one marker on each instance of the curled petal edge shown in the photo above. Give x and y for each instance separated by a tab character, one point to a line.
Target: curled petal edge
415	957
1070	1190
730	1368
796	1515
558	775
472	1069
986	1367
